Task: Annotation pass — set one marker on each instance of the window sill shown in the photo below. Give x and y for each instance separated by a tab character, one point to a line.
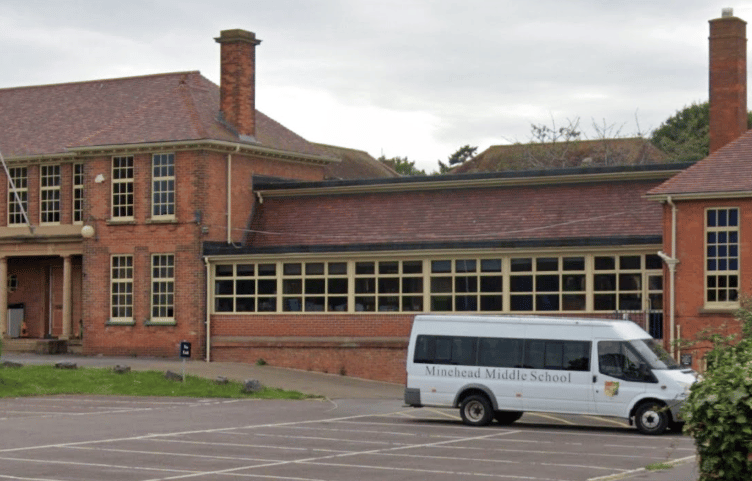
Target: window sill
709	310
166	220
160	323
120	221
119	323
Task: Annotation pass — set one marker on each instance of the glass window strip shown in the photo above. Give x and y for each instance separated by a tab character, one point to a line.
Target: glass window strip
462	284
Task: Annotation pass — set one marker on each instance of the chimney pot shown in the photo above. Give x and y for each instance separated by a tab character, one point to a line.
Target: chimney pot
727	12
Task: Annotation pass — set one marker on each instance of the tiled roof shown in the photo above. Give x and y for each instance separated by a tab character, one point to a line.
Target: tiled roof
596	210
354	164
727	170
602	152
182	106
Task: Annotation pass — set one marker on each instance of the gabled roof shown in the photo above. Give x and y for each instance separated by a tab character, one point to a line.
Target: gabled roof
184	106
576	153
354	164
568	207
726	171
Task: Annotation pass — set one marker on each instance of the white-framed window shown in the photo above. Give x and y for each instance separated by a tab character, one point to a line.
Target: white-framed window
163	186
389	286
538	283
122	188
121	288
49	194
546	283
314	286
722	257
466	285
245	287
163	288
18	201
78	193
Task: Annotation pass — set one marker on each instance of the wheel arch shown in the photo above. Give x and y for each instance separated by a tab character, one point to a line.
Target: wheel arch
648	399
470	389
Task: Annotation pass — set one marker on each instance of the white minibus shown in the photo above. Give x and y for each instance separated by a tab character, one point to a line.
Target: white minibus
497	367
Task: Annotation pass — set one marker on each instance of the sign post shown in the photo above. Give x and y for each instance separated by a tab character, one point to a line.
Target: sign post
185	353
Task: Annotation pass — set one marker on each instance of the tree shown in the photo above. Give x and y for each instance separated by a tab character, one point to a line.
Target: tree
402	165
685	136
462	154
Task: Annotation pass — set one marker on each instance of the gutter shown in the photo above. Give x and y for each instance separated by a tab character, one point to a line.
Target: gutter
208	311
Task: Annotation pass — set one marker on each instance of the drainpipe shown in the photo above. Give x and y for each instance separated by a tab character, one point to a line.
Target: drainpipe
208	311
229	195
671	262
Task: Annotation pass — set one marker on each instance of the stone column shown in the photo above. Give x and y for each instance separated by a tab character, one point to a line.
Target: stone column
4	297
67	296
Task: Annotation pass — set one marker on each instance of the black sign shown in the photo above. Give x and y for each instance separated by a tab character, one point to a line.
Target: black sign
185	349
686	359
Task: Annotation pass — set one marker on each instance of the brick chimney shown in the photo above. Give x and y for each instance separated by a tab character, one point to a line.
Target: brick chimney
237	87
728	79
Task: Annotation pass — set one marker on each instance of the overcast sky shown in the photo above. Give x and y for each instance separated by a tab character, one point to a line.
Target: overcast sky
414	78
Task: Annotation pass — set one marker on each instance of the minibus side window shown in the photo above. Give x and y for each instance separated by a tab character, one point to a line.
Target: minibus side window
445	350
557	355
620	360
499	352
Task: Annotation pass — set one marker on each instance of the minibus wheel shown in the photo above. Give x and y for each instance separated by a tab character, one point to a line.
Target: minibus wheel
651	418
476	410
506	418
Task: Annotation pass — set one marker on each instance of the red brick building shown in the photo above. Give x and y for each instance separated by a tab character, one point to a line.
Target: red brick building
116	186
166	208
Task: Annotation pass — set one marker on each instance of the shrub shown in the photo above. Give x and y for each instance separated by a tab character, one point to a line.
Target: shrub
718	411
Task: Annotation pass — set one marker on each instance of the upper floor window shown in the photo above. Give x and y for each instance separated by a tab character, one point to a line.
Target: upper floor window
163	185
722	256
122	187
18	191
78	193
49	194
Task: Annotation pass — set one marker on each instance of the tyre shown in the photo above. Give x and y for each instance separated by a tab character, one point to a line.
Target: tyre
476	410
506	418
652	418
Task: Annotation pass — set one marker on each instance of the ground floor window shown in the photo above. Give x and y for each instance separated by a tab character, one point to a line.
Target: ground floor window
583	283
162	288
121	288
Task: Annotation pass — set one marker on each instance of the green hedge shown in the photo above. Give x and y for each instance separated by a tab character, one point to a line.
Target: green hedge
718	411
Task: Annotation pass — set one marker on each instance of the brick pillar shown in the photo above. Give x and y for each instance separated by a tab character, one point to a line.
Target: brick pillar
728	79
237	87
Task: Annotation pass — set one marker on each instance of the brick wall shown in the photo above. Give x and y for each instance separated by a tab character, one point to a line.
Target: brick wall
691	315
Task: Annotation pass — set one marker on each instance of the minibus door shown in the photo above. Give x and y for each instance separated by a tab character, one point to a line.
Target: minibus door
619	375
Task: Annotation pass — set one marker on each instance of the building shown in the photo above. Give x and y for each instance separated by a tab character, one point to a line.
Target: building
118	183
165	208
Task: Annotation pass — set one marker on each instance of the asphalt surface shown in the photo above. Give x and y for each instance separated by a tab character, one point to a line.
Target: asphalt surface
361	431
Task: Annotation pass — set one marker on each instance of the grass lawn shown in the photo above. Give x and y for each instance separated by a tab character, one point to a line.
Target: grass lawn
48	380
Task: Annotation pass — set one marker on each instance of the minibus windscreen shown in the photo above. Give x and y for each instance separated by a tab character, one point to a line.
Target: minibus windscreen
654	354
